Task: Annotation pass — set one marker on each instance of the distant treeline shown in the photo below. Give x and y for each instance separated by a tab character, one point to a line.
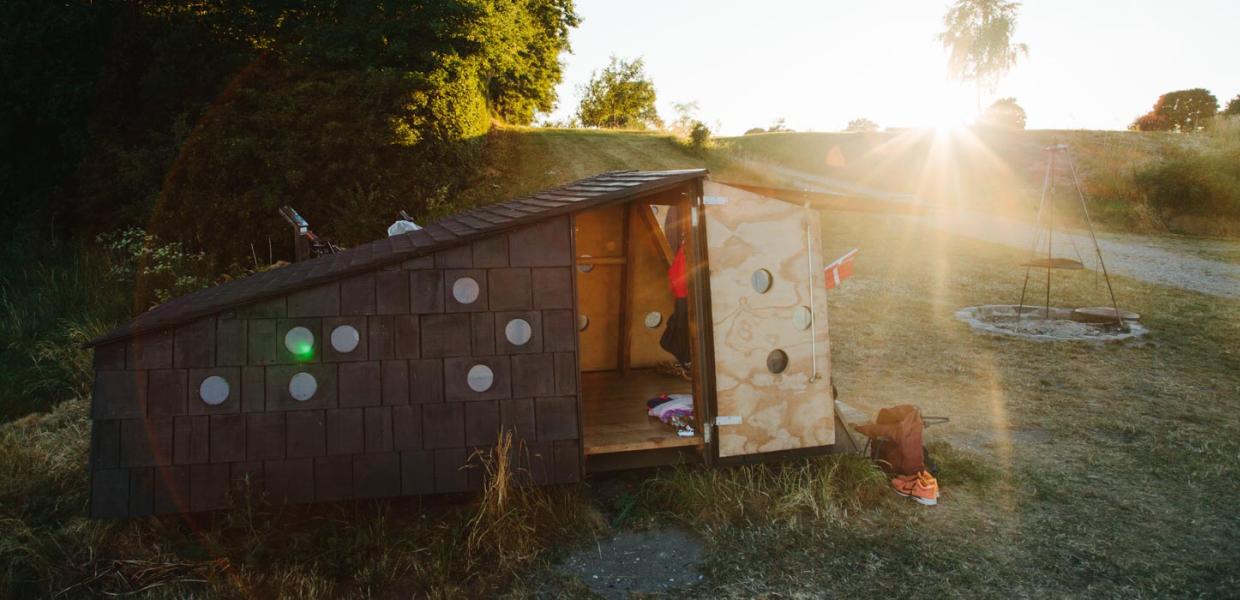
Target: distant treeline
197	120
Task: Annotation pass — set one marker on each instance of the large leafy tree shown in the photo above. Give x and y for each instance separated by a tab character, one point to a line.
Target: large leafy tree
621	96
978	37
198	119
1183	110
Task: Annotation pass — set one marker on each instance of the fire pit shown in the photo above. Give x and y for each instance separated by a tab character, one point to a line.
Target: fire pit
1093	324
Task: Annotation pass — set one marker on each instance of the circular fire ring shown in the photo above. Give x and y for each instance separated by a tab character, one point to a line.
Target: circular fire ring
1056	325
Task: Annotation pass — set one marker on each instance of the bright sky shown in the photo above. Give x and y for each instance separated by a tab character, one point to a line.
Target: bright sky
1093	64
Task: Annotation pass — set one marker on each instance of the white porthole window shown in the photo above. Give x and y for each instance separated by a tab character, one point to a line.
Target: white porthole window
761	281
518	332
802	317
345	339
480	378
654	318
300	342
213	390
465	290
302	387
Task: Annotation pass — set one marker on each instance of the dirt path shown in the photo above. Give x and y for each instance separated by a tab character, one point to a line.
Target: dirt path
1206	266
1199	265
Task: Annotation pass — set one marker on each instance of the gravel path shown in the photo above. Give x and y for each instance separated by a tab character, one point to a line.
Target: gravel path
1171	261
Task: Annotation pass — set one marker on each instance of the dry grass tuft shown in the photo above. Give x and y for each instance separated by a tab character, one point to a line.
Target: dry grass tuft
513	521
825	488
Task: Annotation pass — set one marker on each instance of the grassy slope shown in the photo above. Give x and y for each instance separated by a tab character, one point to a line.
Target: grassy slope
524	160
1003	171
1074	470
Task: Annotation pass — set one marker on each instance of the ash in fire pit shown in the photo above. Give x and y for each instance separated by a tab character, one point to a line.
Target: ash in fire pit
1093	324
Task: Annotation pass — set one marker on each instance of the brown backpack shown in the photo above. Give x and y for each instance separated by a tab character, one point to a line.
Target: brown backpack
895	439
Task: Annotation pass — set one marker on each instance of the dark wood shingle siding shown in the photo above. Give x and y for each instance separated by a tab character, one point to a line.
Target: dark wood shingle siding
394	416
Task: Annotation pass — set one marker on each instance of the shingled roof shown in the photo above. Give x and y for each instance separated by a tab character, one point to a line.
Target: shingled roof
445	233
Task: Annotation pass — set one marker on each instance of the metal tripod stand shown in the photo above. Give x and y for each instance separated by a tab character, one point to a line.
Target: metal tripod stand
1046	224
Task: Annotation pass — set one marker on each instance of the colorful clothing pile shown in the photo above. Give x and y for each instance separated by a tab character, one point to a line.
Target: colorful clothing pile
675	410
672	405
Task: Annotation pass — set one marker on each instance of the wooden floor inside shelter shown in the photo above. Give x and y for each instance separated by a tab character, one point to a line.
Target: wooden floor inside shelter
615	411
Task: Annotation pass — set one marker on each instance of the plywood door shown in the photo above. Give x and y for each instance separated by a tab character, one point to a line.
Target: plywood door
757	410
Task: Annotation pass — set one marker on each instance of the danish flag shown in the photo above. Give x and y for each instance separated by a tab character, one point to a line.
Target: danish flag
840	269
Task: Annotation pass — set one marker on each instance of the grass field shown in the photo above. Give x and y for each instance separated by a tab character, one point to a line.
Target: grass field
1067	469
1090	471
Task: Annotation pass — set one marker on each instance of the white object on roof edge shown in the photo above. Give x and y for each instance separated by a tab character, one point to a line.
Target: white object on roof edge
402	226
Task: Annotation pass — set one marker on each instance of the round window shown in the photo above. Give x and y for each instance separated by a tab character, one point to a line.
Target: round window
518	332
585	267
465	290
802	317
300	342
302	387
345	339
480	378
213	390
761	281
654	319
777	361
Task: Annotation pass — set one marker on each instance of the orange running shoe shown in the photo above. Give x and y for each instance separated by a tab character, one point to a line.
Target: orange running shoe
921	487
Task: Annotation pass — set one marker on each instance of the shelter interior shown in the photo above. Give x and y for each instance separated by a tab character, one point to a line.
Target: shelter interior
637	340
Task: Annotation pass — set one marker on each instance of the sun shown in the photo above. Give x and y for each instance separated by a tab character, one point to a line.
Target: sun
948	110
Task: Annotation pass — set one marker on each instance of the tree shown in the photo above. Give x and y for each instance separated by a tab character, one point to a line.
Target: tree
1183	110
978	35
861	125
1150	122
686	117
622	96
1004	113
778	127
1233	107
755	130
699	136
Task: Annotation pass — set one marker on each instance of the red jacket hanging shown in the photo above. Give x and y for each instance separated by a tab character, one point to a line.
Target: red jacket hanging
678	276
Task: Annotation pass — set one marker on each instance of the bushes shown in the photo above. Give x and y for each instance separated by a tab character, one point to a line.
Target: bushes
1192	183
49	306
52	304
347	149
1198	184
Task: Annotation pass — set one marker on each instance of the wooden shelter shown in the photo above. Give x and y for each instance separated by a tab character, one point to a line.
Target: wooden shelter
380	371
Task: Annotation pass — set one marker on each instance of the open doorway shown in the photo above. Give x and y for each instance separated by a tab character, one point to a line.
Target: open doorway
636	334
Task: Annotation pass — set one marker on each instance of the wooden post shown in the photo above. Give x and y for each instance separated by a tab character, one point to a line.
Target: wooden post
626	293
301	246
